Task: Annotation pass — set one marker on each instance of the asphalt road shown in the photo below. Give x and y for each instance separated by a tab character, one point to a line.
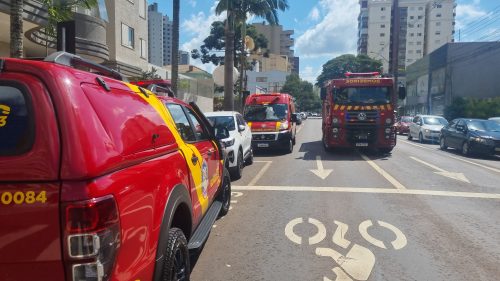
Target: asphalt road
417	214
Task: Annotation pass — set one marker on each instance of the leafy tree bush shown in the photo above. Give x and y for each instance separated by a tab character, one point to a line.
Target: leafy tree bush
303	93
337	67
472	108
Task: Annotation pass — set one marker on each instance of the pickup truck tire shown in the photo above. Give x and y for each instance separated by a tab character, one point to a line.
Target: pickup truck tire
237	171
225	194
176	266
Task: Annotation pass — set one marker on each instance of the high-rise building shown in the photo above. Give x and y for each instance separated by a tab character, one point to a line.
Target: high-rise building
167	40
425	25
280	42
155	31
184	57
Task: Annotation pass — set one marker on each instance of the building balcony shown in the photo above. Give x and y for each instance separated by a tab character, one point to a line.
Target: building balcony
90	33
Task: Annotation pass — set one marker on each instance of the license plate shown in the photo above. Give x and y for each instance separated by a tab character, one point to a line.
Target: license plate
497	149
262	145
362	144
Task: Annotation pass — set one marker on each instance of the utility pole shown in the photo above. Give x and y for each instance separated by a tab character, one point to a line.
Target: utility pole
395	44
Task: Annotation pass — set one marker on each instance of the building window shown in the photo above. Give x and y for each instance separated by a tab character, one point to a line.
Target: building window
382	34
412	17
419	34
364	4
127	36
382	26
438	23
411	25
438	15
144	48
412	34
438	32
420	17
142	8
382	8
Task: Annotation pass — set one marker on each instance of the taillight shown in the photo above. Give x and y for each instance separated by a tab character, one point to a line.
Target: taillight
91	238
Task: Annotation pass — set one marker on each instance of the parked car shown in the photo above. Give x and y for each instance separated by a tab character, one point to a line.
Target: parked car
101	179
239	142
496	119
426	128
471	136
403	124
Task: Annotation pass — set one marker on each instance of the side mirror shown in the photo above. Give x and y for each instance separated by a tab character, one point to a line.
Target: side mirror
221	133
461	128
322	93
402	93
241	128
294	117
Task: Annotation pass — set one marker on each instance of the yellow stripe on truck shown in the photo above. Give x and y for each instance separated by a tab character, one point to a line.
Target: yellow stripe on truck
187	149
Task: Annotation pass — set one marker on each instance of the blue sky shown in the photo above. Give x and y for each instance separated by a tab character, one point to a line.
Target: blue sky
323	29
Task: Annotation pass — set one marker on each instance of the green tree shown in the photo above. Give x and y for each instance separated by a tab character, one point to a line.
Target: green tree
57	11
456	109
303	92
237	10
150	74
472	108
215	42
337	67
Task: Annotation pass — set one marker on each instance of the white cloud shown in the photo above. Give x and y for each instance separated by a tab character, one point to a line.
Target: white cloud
310	74
198	28
192	3
335	34
468	13
314	14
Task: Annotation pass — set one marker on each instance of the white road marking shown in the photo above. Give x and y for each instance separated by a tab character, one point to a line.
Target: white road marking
261	172
234	201
371	190
230	208
321	172
457	158
339	235
320	236
451	175
236	194
289	230
358	262
363	230
388	177
400	241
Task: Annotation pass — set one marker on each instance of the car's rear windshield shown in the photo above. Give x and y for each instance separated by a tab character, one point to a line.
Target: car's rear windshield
223	121
16	120
435	121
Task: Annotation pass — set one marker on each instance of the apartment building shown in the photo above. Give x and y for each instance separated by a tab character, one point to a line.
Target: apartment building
155	34
425	25
168	26
280	42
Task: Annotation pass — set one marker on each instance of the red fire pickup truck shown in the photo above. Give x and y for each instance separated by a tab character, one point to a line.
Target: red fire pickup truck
100	179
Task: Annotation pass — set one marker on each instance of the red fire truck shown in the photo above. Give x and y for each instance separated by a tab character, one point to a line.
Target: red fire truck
359	111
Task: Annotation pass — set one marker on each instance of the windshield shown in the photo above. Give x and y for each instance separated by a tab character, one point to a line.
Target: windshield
363	95
435	121
406	119
223	121
484	125
266	112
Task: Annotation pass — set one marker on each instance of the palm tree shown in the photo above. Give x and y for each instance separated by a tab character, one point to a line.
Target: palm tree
175	45
16	28
238	10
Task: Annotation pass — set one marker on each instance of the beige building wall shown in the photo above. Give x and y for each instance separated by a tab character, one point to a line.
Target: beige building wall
126	15
440	24
273	62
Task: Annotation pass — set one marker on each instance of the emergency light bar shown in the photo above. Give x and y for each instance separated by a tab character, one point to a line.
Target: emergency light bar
362	74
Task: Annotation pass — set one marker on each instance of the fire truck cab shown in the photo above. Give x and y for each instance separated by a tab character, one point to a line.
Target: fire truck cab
358	111
272	119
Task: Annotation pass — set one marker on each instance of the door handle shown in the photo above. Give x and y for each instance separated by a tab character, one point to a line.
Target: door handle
194	159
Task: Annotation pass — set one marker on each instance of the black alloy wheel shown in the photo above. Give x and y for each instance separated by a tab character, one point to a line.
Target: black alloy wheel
225	195
249	160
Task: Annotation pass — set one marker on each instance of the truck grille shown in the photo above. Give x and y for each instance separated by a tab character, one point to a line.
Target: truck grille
264	137
362	117
361	134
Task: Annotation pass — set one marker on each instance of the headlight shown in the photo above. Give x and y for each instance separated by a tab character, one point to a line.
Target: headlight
388	121
483	140
335	120
335	130
228	142
284	126
427	131
388	130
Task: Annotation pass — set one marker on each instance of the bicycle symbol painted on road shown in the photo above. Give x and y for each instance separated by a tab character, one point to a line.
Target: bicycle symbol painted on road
358	263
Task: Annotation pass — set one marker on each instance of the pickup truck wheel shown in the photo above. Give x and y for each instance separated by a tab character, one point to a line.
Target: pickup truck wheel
237	171
176	266
249	160
225	194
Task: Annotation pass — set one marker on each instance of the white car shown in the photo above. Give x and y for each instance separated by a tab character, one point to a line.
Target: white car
239	144
496	119
426	128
